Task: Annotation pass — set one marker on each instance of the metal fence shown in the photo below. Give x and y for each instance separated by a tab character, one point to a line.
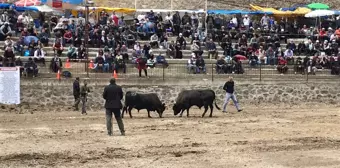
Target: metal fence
181	71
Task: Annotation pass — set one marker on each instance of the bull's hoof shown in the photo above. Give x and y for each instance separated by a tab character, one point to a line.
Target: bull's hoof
149	116
210	115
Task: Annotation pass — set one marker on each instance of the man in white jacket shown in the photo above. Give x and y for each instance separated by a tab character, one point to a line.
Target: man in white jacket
39	56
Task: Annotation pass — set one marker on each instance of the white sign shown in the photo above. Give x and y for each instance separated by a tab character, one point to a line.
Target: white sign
10	85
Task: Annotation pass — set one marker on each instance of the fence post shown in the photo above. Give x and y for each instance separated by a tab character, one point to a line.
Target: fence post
163	73
212	72
260	72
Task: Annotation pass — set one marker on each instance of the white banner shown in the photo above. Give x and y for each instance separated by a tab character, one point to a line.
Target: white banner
10	85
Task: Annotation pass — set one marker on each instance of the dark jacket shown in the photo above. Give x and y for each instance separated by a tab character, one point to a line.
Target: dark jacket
76	88
229	87
113	94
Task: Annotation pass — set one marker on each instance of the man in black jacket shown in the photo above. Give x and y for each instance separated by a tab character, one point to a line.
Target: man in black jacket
113	94
229	88
76	93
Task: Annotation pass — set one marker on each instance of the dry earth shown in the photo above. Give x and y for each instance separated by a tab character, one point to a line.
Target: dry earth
258	137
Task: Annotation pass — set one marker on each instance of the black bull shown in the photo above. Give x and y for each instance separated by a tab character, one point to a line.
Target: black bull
149	101
199	98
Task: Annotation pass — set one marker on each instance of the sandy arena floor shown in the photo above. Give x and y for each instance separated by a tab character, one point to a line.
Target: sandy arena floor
261	138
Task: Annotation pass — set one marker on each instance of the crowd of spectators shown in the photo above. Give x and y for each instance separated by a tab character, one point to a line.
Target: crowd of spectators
260	41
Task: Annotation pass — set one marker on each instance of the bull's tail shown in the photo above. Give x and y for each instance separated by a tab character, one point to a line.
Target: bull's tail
218	108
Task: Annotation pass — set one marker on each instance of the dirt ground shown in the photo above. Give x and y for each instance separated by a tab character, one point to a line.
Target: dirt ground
258	137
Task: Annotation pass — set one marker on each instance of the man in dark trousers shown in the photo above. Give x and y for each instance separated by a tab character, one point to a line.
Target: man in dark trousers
229	88
76	93
113	94
84	90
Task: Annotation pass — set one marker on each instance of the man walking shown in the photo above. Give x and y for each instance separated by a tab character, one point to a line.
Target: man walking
113	94
76	93
84	90
229	88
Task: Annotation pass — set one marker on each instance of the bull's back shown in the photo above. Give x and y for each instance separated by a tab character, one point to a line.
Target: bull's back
195	97
187	95
150	99
142	101
207	95
130	98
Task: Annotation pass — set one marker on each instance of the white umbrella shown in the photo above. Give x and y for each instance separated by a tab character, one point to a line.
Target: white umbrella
320	13
44	8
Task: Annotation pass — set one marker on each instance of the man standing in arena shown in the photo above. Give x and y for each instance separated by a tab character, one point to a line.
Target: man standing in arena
76	93
113	94
84	90
229	88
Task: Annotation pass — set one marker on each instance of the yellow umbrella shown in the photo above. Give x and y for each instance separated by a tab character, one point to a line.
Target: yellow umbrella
301	11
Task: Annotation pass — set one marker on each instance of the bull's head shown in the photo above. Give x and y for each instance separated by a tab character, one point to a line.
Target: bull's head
176	109
161	110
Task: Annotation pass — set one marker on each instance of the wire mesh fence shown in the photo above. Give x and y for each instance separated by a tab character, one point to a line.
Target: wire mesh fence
181	71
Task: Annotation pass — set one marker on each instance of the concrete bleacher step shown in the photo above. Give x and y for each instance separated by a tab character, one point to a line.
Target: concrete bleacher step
186	53
245	76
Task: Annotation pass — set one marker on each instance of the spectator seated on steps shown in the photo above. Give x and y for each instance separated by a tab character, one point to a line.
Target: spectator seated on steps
238	69
289	56
31	69
20	64
19	46
195	48
119	63
9	42
100	63
81	52
5	30
212	50
124	52
58	46
282	66
200	65
253	60
171	50
192	67
335	66
9	57
187	30
68	37
220	65
154	41
56	64
32	46
229	64
299	67
131	40
39	55
160	59
150	63
72	52
44	37
181	41
311	66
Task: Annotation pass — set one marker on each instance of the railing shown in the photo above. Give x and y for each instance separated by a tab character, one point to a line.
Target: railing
180	71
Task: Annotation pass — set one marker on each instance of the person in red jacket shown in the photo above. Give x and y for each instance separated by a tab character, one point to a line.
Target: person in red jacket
282	66
68	37
141	65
